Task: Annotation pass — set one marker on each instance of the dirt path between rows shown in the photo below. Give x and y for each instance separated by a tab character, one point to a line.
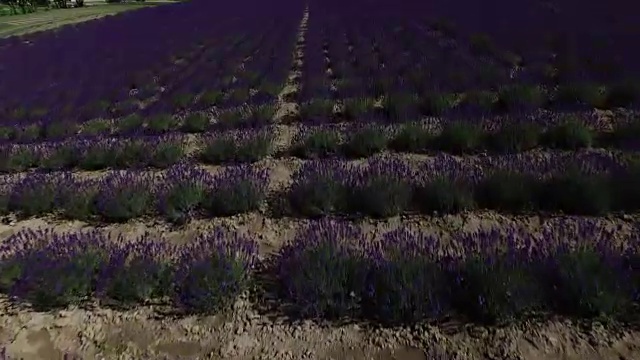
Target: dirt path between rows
246	334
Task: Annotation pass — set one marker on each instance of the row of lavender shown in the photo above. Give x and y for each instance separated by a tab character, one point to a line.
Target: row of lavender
177	195
244	117
182	60
254	76
571	183
516	101
333	270
420	69
360	58
355	141
138	152
383	187
594	40
316	112
526	37
462	137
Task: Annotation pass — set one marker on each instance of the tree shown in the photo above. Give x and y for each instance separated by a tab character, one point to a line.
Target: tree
61	4
13	4
26	6
42	3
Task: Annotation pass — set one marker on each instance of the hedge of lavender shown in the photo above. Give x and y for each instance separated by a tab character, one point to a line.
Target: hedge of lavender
358	141
249	115
460	137
428	59
238	147
586	184
137	152
161	77
513	101
52	270
332	270
177	195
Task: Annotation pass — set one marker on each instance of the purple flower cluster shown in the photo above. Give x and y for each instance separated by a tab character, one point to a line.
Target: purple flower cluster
51	269
127	71
446	63
471	169
389	186
96	154
237	146
124	195
331	269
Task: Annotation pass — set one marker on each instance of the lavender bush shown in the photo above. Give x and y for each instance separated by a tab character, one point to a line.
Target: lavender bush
412	138
320	272
52	270
161	124
183	192
406	282
14	159
136	272
590	281
35	195
97	155
213	271
317	111
571	134
507	191
167	152
318	189
499	282
133	154
520	97
64	157
515	137
236	190
70	268
75	199
330	270
444	195
389	187
458	138
316	143
380	190
123	197
195	123
365	141
129	124
240	147
95	127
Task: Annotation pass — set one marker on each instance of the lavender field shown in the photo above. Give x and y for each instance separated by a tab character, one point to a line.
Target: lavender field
323	180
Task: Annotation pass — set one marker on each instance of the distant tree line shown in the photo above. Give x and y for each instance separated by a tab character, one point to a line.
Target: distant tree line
121	1
28	6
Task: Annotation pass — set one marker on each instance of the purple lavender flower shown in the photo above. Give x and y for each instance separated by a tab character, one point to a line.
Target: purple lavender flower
213	271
